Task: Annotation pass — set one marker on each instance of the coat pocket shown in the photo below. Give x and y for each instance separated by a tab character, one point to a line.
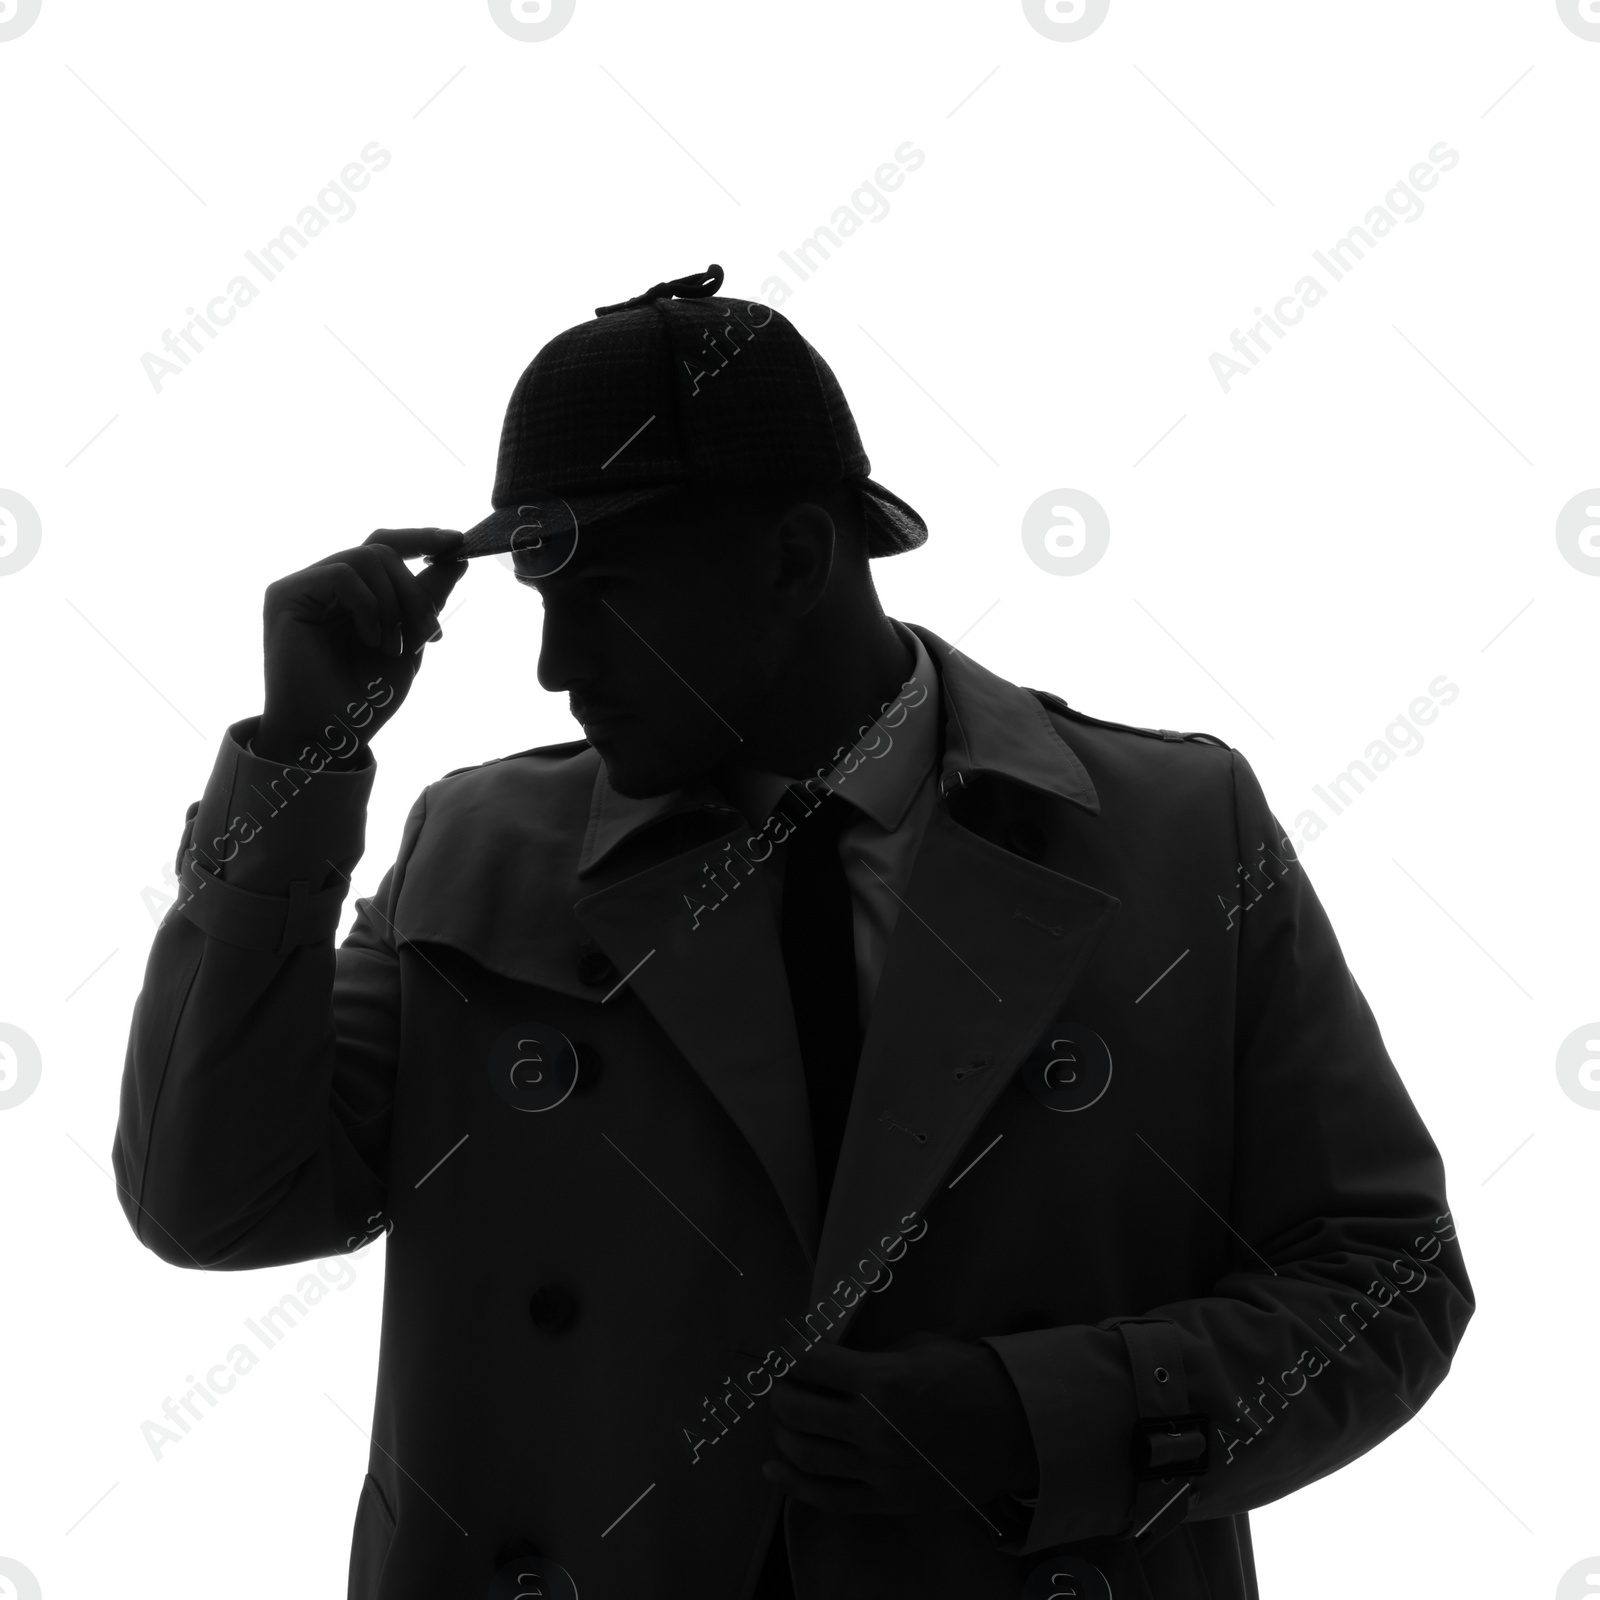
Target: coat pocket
369	1548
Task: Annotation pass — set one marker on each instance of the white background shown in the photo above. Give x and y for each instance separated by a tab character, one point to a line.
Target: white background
1294	562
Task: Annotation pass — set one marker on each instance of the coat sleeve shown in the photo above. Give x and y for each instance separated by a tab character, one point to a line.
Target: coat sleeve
259	1079
1347	1294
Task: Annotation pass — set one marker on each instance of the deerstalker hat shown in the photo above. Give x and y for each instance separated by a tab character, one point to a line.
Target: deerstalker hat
675	389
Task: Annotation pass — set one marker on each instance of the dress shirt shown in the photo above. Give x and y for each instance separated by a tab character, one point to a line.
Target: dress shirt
892	790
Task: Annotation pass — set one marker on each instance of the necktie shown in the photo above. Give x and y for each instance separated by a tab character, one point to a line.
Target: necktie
819	955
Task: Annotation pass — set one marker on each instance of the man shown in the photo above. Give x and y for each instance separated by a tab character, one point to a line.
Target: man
849	1126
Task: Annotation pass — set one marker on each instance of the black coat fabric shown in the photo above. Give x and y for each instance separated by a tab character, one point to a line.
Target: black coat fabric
1121	1111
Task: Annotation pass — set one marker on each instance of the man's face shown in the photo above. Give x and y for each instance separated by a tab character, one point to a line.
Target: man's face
666	640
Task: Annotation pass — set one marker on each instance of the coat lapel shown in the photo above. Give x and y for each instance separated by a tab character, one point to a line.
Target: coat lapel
720	992
986	950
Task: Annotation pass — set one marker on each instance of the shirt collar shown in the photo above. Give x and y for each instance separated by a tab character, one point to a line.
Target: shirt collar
882	768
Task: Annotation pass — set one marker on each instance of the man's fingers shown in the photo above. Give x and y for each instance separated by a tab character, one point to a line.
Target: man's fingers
418	614
822	1458
396	610
811	1411
435	581
340	584
832	1366
413	542
375	570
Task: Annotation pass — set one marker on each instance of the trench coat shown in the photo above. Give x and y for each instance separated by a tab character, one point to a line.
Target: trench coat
1122	1112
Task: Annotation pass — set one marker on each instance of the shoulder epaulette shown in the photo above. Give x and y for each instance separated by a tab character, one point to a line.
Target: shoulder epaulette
571	747
1056	703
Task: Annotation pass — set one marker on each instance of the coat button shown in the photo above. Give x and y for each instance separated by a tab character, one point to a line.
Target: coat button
588	1067
533	1067
596	970
1025	839
553	1308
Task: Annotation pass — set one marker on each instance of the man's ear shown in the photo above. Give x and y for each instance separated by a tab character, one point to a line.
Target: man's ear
806	543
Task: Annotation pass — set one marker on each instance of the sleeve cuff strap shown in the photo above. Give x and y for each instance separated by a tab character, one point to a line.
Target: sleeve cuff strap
253	921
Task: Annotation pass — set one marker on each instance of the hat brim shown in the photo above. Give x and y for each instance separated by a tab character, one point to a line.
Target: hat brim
493	536
892	526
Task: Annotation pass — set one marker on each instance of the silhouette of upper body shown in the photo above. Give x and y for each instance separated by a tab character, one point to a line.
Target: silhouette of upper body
850	1125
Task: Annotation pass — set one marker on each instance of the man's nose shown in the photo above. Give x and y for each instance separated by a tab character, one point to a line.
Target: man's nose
563	654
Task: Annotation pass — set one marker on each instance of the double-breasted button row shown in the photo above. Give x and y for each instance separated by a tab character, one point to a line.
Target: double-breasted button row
522	1569
553	1308
534	1067
595	968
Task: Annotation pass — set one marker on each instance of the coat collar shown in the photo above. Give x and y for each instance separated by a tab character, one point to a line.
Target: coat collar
990	726
993	726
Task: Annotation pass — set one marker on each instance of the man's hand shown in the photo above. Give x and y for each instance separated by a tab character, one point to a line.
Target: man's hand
344	640
890	1432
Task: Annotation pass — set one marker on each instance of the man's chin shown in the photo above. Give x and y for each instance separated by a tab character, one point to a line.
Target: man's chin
641	765
638	777
635	787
